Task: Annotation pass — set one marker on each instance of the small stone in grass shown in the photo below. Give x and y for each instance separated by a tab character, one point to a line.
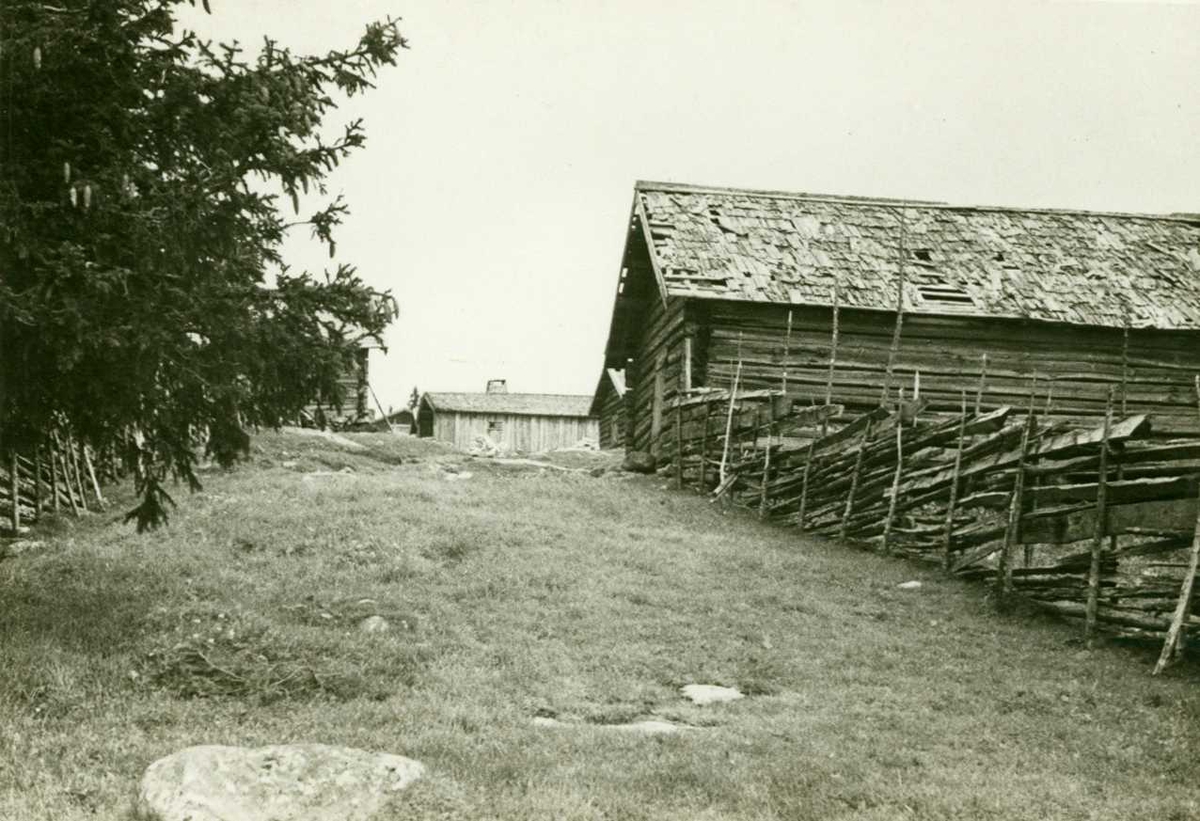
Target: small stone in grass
374	624
913	585
710	693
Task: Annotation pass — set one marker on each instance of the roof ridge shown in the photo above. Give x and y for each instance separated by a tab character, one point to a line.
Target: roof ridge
851	199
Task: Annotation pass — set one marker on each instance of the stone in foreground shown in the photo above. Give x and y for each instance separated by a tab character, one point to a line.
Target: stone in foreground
286	782
913	585
710	693
638	461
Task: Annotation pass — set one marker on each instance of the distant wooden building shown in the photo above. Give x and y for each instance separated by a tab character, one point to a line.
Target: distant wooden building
608	406
356	406
1082	302
402	421
525	422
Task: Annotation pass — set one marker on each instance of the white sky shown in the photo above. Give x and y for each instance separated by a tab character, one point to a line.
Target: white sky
493	193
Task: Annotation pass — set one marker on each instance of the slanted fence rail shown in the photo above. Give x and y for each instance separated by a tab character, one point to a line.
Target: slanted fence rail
1100	523
61	475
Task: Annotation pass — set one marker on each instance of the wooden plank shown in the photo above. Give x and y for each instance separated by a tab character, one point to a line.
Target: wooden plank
1125	491
1055	527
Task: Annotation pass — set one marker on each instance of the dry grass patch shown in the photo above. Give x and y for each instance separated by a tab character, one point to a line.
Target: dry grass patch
519	593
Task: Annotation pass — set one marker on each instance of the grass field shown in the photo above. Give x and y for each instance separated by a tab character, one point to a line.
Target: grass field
515	593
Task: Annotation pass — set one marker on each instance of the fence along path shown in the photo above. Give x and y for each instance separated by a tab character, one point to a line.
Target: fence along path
1100	523
60	475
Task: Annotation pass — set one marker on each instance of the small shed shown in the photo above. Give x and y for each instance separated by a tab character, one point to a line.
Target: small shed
608	406
528	422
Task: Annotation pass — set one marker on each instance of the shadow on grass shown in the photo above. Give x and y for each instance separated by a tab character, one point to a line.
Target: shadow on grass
78	603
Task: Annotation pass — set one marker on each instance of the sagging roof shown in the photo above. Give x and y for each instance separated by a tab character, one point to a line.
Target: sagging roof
1076	267
517	404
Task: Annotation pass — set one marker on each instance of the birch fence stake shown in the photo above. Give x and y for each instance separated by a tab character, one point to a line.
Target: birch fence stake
54	500
787	352
858	463
1173	646
983	362
1015	504
891	514
87	461
1093	595
1124	358
764	500
678	443
14	476
947	545
737	375
812	448
833	348
39	472
66	474
73	449
895	347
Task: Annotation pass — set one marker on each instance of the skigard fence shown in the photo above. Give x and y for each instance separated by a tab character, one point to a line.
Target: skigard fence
1100	523
60	475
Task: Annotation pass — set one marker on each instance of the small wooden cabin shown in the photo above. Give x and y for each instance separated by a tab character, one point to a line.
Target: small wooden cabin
995	302
608	406
525	422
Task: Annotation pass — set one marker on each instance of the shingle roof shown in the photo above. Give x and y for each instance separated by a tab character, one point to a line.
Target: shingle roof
1061	266
521	404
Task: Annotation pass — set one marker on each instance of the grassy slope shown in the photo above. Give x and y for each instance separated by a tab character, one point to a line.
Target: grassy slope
590	599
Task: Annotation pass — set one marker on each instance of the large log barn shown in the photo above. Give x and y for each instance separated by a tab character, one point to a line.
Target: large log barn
804	292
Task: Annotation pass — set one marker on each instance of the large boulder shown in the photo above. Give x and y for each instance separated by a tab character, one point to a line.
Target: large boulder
285	782
638	461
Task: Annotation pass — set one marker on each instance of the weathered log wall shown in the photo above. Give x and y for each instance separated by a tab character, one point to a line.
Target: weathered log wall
1075	366
612	420
655	376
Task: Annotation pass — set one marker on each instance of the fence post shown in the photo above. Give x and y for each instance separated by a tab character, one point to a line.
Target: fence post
54	501
87	462
891	514
833	347
858	461
737	376
764	500
812	448
948	544
1093	595
1173	646
37	481
1015	505
982	382
704	447
66	474
15	488
73	447
678	443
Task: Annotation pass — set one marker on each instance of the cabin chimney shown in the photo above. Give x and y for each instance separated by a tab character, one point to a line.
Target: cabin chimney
497	386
